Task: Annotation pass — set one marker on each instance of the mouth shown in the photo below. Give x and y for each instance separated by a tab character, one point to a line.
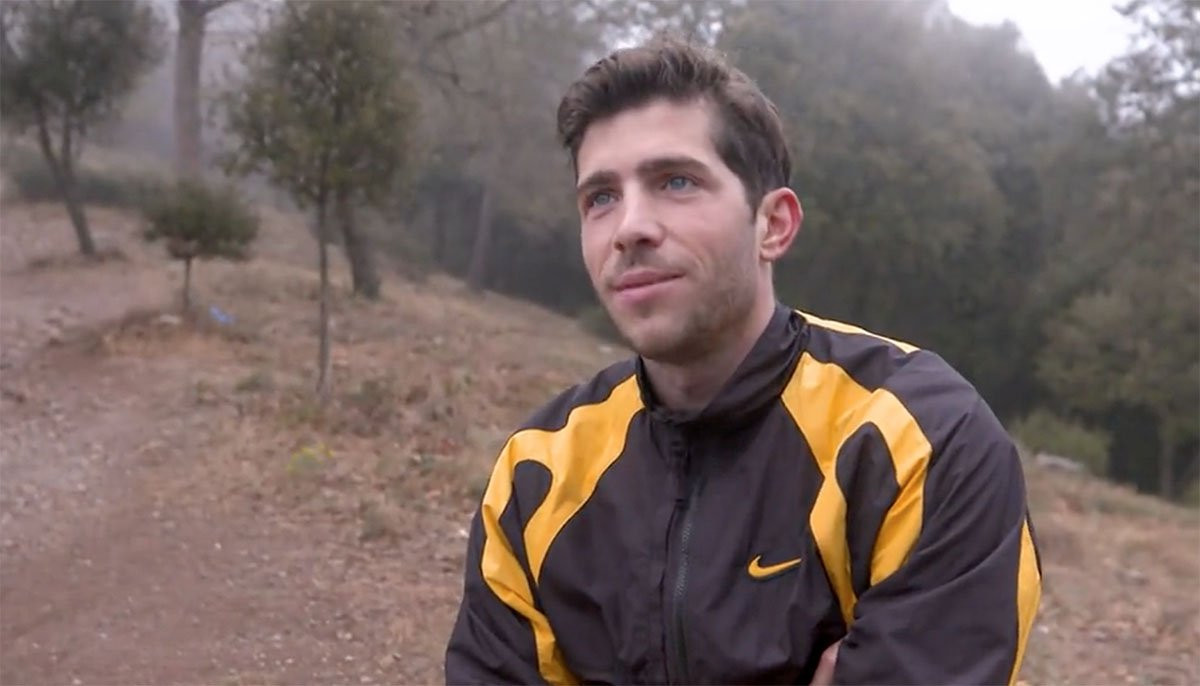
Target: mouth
640	285
641	278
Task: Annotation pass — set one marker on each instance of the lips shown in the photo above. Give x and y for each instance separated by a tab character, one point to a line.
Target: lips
638	288
640	278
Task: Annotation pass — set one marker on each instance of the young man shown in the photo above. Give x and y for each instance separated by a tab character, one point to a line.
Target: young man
758	487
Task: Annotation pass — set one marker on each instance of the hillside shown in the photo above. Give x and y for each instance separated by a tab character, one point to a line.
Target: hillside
173	509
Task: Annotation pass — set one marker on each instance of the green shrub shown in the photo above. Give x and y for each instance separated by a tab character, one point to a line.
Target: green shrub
1043	431
309	459
199	221
1191	495
257	381
32	181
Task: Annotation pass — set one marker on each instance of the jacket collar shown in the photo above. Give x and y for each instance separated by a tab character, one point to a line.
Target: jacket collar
757	381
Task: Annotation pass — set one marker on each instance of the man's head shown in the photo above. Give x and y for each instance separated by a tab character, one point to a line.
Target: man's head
682	173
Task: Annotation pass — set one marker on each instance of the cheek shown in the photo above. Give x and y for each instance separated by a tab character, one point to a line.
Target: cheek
728	245
595	251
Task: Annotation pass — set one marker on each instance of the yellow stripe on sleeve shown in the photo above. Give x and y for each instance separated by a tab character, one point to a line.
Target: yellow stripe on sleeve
576	456
829	406
1029	595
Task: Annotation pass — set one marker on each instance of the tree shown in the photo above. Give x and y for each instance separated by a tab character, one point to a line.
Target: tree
913	139
65	65
1129	335
430	33
198	221
633	21
325	113
503	84
189	56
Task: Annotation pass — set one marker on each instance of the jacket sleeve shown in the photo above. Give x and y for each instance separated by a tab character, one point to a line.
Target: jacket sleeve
501	635
491	642
958	606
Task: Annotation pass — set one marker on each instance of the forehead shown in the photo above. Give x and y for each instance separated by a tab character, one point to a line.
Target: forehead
659	128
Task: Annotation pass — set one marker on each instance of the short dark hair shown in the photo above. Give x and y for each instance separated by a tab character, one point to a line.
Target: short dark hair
749	135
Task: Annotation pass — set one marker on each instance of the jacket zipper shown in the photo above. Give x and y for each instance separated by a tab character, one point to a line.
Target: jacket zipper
676	635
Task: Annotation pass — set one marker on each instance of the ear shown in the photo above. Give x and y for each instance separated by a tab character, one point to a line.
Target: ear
779	219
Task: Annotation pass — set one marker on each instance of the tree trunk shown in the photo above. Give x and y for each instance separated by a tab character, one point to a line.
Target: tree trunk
83	234
477	272
64	176
187	286
1166	473
189	52
323	360
439	232
358	250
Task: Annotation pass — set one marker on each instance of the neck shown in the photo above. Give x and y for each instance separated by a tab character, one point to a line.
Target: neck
691	386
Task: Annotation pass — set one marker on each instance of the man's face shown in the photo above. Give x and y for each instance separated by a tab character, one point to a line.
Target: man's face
668	238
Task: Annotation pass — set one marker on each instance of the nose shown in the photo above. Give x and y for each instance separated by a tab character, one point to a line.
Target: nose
639	226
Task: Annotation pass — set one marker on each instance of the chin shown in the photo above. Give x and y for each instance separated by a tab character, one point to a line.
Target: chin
660	341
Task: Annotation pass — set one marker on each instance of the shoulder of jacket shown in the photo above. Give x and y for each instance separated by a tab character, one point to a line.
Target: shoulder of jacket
596	391
588	419
927	387
844	333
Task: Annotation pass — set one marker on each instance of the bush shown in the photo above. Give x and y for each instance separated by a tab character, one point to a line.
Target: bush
198	221
1191	495
1043	431
32	181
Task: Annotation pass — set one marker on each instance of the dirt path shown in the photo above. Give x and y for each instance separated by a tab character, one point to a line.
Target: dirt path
111	574
123	559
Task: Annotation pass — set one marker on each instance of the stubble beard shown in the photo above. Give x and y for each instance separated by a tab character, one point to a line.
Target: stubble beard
689	333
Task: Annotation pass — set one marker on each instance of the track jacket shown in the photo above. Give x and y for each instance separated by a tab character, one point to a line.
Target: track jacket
841	485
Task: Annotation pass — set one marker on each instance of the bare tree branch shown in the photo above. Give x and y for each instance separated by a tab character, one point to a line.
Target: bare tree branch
472	24
206	6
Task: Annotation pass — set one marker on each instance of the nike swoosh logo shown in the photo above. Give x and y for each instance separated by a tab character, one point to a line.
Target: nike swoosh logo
760	572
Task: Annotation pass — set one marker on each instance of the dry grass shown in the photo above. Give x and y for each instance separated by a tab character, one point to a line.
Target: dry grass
1121	569
110	254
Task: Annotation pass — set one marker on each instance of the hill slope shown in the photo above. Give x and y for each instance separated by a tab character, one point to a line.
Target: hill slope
174	509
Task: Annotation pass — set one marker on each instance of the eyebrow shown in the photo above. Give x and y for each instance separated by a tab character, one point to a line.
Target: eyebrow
597	179
656	165
650	167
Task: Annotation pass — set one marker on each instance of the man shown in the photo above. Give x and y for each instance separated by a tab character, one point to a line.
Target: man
758	487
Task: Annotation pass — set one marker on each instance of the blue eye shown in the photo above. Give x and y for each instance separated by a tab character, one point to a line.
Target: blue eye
678	183
599	199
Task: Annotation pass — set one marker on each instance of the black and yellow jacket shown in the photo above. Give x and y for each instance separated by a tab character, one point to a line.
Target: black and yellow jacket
841	485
